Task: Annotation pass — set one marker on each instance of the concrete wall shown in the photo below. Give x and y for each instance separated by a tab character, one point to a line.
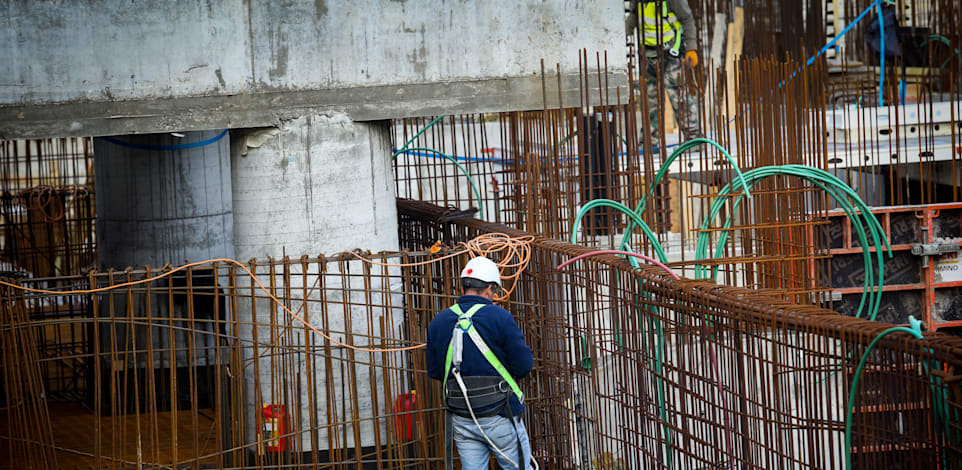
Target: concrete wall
91	67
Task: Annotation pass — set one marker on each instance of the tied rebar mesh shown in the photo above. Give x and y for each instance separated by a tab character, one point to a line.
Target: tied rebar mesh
633	369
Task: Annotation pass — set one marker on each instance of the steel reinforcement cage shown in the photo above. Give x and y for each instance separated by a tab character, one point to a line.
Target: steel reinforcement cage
637	370
204	369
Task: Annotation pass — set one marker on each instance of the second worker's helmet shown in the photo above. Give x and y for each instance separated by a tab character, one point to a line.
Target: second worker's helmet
482	269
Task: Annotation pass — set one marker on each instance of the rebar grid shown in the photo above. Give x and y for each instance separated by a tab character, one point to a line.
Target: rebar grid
631	368
47	207
744	380
178	368
47	228
764	102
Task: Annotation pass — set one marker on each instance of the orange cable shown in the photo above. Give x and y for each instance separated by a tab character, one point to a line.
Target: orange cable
215	260
483	245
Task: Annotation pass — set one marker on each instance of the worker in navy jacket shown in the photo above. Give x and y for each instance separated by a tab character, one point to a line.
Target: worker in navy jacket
481	282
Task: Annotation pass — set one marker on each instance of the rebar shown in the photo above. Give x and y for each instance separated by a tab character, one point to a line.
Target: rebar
183	366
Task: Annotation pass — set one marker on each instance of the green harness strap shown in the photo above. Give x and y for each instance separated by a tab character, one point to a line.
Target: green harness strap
466	325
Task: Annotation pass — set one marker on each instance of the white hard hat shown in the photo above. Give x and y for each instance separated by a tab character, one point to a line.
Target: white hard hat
482	269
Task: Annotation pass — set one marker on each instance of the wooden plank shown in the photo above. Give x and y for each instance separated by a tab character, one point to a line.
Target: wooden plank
736	34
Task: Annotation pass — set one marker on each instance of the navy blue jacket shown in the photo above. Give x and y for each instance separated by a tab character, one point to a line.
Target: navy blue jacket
498	330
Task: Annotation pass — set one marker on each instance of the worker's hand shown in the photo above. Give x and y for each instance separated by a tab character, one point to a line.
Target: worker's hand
691	57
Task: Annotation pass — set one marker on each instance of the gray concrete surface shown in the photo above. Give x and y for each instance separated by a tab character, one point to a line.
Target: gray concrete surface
156	207
318	185
163	206
91	67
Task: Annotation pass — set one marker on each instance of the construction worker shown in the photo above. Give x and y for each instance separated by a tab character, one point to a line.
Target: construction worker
666	25
478	352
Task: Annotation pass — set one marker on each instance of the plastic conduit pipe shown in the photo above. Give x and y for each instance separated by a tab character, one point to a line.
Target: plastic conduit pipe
700	251
659	331
640	208
860	231
402	149
712	354
162	148
817	176
633	216
915	331
825	181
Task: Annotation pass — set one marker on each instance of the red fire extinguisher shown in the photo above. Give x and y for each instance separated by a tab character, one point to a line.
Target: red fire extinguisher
274	428
404	417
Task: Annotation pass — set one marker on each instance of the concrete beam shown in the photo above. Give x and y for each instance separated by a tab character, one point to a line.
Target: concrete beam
100	118
95	67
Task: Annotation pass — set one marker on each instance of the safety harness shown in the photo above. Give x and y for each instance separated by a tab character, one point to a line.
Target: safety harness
475	396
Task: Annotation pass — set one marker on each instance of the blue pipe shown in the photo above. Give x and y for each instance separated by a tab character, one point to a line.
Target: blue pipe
134	145
881	53
418	153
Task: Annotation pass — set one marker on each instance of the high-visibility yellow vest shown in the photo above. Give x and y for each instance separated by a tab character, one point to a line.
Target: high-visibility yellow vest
660	27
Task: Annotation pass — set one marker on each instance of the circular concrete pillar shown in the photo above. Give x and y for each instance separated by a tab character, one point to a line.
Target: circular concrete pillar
319	184
163	198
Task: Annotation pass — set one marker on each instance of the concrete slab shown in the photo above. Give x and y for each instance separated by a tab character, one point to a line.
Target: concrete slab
271	109
107	68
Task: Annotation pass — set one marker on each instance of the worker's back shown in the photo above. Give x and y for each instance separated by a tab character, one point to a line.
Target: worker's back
498	330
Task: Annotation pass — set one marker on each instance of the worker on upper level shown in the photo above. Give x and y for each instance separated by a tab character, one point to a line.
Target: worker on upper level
667	25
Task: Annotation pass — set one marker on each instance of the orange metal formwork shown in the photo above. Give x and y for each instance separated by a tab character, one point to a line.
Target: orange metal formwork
927	287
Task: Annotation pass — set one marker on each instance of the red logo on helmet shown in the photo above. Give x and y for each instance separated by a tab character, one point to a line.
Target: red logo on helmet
470	271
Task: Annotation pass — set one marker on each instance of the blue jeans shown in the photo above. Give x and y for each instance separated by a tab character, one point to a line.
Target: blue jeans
475	450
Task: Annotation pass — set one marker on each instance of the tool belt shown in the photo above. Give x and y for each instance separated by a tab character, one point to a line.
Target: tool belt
488	395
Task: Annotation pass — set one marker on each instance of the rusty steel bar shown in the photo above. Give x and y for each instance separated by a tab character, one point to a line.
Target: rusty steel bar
781	368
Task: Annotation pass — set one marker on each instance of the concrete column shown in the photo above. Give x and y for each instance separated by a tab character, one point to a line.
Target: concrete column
163	198
318	184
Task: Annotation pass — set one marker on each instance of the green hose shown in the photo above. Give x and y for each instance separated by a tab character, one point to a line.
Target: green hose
915	331
636	220
464	170
845	206
417	135
633	216
859	229
943	40
829	183
640	208
843	203
654	322
878	233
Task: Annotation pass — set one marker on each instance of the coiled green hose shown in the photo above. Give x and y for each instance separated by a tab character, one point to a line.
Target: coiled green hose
841	193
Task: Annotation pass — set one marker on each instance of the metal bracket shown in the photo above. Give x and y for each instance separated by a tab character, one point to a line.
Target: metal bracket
938	247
